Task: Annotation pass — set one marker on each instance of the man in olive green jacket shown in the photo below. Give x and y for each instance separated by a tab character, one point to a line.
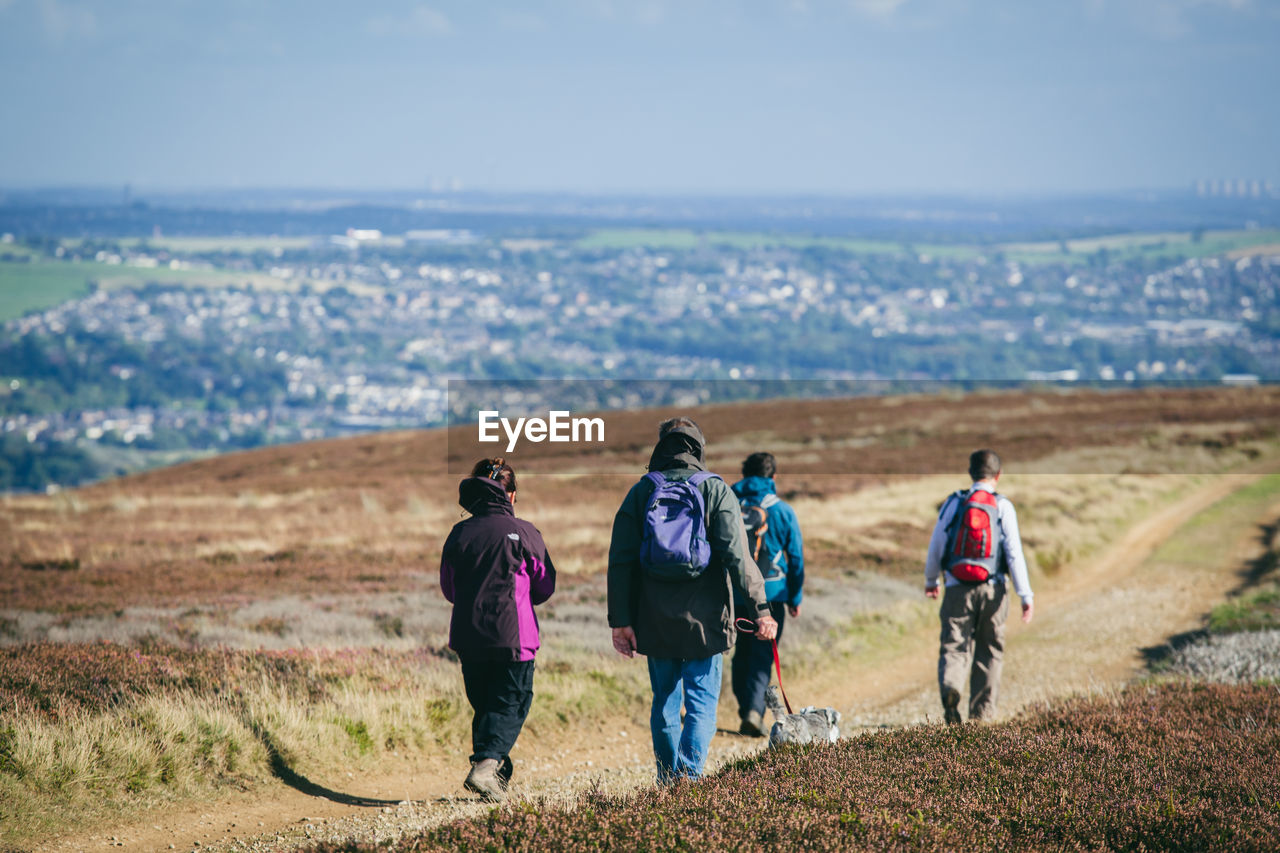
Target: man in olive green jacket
683	626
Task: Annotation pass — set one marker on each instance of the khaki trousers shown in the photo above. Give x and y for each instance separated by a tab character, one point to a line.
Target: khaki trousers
972	643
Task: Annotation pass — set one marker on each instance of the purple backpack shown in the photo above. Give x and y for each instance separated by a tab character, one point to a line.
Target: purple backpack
674	544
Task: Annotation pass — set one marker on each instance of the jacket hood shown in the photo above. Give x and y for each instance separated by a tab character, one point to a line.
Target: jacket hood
482	496
754	486
680	448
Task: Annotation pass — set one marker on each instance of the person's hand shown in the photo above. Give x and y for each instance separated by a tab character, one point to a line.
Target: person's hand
793	610
766	628
931	591
1028	608
624	641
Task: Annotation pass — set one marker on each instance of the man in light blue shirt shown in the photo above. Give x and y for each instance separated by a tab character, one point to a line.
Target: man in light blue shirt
975	547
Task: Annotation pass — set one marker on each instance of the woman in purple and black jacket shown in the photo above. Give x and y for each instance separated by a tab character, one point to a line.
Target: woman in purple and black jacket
494	569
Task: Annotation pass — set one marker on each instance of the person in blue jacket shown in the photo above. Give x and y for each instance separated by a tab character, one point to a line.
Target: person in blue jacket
773	535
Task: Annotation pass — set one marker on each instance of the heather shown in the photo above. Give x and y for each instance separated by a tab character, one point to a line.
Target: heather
1179	766
54	681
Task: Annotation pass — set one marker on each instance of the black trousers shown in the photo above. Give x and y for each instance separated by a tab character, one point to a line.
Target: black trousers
753	665
501	693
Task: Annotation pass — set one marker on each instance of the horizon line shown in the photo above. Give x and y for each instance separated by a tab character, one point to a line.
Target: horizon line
137	190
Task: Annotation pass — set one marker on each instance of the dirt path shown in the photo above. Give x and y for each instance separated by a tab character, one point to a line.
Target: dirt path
1090	625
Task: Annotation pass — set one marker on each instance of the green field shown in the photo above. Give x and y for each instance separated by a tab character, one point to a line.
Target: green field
681	239
229	243
16	250
27	287
234	244
1179	243
1159	244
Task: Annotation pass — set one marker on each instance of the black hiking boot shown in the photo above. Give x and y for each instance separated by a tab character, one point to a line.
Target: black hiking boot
752	725
951	706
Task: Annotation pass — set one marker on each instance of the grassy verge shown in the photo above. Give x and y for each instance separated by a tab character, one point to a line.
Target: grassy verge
1258	610
90	732
1179	767
1238	641
1201	539
1256	606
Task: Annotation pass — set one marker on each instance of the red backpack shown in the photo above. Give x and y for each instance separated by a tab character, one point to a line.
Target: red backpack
973	537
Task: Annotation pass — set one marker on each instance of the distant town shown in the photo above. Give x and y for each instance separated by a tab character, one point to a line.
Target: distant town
189	345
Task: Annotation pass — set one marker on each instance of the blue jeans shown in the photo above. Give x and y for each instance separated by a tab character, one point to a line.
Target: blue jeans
681	749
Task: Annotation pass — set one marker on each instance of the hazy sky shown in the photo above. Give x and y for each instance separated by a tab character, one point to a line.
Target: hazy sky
846	96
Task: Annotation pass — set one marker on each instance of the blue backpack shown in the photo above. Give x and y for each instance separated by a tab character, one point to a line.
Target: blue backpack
674	546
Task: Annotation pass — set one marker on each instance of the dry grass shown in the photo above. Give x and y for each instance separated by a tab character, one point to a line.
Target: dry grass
89	752
335	545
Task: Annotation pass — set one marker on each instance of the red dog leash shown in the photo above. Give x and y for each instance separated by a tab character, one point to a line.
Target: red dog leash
748	626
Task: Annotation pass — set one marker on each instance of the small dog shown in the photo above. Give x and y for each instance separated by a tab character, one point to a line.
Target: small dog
810	725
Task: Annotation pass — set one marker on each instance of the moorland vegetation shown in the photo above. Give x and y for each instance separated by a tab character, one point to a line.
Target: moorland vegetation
1178	766
216	626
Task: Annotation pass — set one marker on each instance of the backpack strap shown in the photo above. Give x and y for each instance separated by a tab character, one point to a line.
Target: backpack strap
1003	563
696	481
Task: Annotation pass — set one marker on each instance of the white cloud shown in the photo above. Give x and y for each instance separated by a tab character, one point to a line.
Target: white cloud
882	9
523	21
877	8
1175	5
1167	19
421	21
63	21
650	14
647	13
1170	19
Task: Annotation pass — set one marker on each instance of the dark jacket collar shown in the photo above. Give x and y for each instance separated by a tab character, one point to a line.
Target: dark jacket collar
680	448
482	496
